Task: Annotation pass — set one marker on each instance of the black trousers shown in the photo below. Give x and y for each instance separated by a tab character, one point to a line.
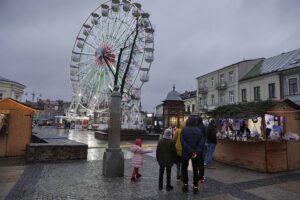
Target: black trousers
201	163
161	175
185	164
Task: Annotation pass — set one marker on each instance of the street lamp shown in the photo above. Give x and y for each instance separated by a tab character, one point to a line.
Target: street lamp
113	158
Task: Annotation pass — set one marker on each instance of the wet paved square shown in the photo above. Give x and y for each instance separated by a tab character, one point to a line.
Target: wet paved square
84	180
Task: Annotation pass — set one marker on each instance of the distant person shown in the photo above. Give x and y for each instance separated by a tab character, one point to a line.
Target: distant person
177	141
165	155
191	140
138	158
202	155
211	143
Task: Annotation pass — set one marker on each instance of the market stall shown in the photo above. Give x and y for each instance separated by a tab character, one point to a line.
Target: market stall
15	127
262	136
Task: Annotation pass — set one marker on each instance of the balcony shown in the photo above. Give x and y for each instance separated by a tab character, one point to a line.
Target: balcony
221	86
203	90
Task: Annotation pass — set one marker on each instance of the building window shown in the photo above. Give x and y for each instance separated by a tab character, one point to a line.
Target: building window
231	96
231	76
212	99
200	84
256	93
271	90
200	101
293	86
205	83
188	108
193	108
222	78
222	99
212	81
204	100
244	95
1	96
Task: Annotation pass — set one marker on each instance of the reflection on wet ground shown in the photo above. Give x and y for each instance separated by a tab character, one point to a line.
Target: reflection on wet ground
96	147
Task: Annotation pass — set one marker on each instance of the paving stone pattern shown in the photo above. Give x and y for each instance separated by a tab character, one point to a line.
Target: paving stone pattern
84	180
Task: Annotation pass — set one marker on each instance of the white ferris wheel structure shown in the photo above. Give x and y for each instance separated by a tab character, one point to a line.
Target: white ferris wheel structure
118	31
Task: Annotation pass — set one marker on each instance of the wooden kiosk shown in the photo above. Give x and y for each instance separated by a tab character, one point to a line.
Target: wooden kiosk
265	155
15	127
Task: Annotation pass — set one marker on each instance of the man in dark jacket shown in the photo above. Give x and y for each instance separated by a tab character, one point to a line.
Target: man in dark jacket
191	140
211	143
166	157
202	127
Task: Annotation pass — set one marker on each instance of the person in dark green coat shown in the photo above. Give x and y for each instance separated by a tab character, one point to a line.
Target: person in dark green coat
166	157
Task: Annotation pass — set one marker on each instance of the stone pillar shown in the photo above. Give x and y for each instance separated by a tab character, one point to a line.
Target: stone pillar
113	158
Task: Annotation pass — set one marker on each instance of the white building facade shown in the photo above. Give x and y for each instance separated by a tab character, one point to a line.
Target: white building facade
11	89
189	99
273	78
221	87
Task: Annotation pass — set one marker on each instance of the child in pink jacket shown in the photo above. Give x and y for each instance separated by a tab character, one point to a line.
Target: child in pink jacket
138	157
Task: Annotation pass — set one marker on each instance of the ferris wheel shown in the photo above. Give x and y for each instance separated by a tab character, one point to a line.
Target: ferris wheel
112	26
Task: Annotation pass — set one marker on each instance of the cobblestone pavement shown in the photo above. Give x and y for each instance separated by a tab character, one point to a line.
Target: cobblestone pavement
83	180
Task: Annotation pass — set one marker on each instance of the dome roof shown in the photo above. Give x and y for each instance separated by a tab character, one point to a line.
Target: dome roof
173	95
2	79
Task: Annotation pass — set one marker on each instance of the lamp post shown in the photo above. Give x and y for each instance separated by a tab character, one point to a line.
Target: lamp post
113	158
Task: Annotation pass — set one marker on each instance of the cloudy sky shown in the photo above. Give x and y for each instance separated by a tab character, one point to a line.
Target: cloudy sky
191	38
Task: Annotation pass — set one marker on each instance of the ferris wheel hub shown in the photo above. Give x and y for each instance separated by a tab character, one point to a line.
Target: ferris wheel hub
105	52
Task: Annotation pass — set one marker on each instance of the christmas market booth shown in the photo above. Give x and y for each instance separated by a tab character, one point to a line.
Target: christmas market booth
262	136
15	127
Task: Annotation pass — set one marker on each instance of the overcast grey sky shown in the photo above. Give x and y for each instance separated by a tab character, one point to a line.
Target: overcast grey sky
191	38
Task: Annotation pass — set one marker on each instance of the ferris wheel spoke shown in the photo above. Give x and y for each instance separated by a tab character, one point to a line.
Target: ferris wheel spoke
121	23
85	61
86	53
90	45
95	39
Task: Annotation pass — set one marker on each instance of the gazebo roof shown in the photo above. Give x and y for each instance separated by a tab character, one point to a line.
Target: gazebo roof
173	95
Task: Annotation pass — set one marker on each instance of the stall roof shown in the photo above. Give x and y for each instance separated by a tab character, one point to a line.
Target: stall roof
12	104
249	109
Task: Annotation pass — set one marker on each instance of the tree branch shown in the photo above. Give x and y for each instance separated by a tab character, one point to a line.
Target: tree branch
130	57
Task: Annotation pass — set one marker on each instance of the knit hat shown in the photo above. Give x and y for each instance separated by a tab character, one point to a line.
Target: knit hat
167	134
138	141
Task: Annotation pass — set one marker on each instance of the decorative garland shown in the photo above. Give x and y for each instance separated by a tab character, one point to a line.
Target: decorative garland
244	110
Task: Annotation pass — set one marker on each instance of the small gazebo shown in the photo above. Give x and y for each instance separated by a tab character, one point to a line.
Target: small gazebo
173	110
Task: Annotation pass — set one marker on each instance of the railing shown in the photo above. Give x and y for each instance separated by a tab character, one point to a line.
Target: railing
221	86
203	90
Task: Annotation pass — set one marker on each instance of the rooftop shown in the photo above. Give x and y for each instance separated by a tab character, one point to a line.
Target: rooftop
2	79
173	95
276	63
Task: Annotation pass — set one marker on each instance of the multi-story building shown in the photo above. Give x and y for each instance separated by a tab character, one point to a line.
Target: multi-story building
11	89
48	109
273	78
220	87
189	98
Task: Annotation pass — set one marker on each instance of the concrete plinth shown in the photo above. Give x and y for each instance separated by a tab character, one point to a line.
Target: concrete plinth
113	163
113	158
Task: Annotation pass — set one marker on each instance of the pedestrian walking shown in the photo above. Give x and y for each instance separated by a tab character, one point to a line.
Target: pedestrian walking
191	140
166	156
211	143
202	127
138	158
177	141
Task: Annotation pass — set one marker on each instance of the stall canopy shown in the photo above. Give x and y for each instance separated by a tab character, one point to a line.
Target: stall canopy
11	104
250	109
